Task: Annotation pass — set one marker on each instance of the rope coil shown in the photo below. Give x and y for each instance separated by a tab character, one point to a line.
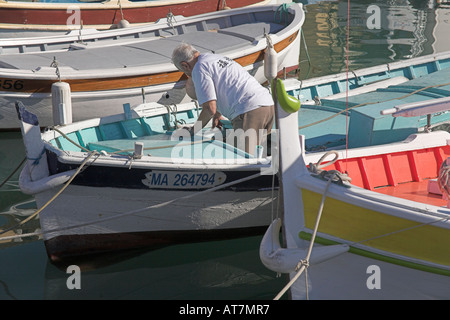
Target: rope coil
333	175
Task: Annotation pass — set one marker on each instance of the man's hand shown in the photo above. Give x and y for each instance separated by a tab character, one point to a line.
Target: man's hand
216	123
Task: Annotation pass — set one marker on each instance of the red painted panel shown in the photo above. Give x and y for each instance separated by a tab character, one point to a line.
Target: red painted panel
352	168
142	14
400	165
429	166
376	171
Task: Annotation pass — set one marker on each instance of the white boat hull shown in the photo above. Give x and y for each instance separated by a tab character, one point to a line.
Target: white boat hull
223	214
354	277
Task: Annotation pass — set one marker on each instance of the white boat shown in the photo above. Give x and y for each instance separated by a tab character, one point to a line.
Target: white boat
364	223
152	191
111	73
165	26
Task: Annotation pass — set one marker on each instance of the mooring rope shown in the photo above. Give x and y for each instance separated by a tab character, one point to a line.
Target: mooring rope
159	205
91	153
304	263
53	198
330	176
13	172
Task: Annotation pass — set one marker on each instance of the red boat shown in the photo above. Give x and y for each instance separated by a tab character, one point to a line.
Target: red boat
63	16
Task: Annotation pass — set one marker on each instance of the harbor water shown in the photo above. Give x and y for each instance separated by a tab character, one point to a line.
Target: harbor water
379	32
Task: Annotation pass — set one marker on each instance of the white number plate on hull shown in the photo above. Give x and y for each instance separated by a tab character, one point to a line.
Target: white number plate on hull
183	180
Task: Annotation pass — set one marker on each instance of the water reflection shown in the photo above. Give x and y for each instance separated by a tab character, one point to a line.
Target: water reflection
228	272
405	29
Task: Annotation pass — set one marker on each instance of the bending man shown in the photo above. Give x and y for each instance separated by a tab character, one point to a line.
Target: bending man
225	88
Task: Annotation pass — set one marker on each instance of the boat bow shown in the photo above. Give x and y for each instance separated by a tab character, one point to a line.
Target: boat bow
292	166
283	260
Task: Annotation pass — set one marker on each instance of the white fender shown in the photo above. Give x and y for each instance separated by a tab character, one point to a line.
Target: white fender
61	103
284	260
123	24
270	63
30	187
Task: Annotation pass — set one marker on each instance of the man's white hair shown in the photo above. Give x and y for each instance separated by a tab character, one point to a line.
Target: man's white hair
183	52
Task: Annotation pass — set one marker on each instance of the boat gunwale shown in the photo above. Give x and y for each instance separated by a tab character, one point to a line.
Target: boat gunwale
155	163
91	34
120	160
107	4
388	67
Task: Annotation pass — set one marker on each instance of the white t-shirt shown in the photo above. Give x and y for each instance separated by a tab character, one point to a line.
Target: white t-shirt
224	80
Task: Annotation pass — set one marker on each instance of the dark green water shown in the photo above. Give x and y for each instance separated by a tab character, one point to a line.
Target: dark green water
227	269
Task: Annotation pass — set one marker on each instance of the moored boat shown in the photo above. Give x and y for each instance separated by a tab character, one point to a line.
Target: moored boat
21	18
368	222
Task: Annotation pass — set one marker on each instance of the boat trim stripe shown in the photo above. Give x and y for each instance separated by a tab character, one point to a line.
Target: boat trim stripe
369	254
126	82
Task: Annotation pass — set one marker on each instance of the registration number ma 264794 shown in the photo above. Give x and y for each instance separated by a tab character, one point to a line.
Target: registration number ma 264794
183	180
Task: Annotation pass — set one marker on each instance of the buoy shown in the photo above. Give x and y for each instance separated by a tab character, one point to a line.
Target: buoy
287	102
61	103
123	24
270	63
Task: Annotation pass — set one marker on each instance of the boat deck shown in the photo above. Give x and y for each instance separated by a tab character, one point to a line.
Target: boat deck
155	134
409	174
163	147
362	114
416	191
218	36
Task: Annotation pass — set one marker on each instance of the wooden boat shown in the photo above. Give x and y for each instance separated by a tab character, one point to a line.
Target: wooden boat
130	73
370	223
356	121
129	198
152	192
167	25
44	18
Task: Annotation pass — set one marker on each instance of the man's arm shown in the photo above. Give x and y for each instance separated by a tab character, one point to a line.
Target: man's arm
209	110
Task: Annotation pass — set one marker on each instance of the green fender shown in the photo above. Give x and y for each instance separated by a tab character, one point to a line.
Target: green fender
286	101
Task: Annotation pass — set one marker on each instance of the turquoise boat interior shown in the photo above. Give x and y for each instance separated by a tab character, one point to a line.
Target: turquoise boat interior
360	116
155	135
